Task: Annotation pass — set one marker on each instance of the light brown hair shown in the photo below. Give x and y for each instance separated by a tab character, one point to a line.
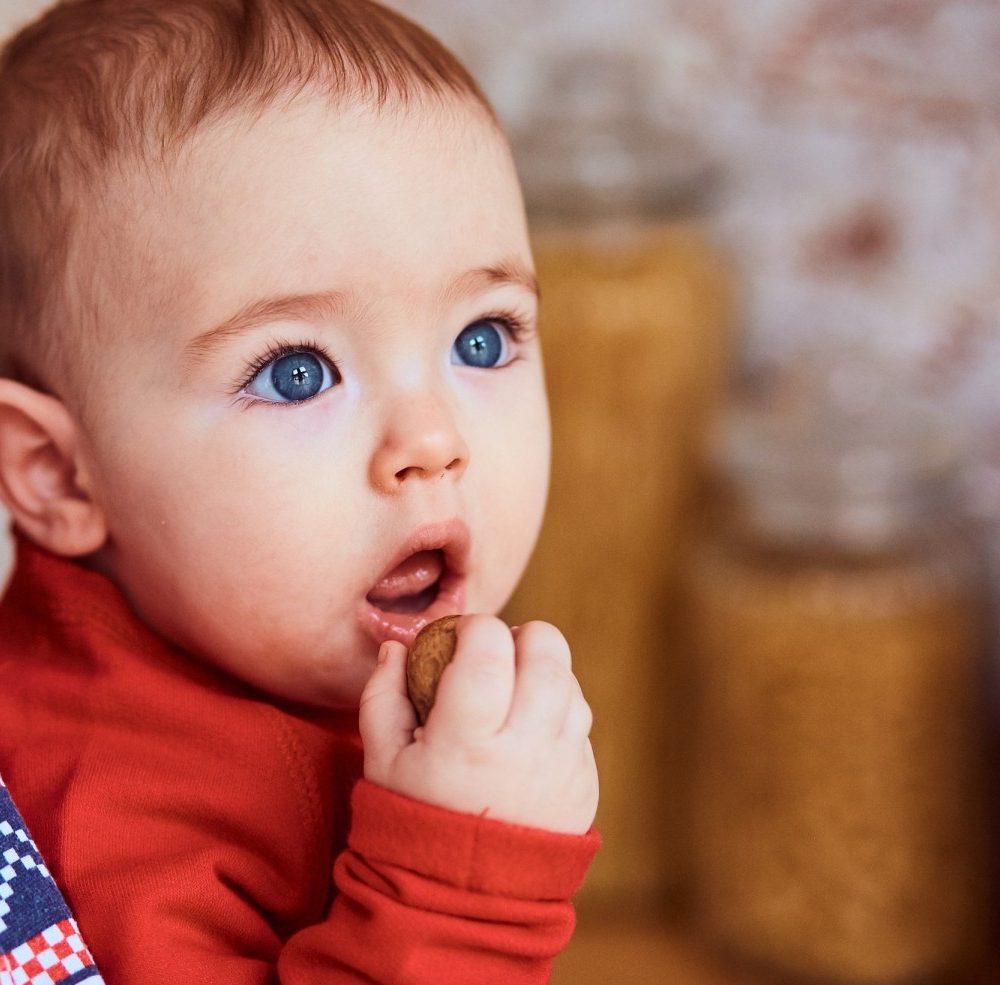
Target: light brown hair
98	85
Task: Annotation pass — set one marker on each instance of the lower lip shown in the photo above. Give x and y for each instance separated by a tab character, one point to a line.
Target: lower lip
404	626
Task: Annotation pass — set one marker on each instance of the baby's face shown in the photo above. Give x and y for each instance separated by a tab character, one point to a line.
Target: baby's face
323	422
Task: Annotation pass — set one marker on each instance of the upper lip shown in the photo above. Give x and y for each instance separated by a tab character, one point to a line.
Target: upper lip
451	537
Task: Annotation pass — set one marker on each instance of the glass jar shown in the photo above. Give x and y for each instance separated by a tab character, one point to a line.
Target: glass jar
634	329
840	803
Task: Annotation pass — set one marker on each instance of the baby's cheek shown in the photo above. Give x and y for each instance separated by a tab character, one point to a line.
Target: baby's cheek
513	530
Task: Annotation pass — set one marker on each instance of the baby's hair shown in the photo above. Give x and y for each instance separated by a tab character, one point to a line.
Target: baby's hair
95	86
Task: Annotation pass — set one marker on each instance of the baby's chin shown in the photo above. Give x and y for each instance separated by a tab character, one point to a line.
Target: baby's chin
334	684
320	668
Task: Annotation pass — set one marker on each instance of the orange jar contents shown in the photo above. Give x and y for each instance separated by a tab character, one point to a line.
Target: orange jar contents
841	805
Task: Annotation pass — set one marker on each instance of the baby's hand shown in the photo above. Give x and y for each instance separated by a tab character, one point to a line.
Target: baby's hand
507	737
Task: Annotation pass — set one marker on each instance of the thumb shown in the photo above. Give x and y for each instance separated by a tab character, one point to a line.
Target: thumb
386	719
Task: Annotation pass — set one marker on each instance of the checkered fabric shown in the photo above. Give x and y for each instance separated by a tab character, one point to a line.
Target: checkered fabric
40	943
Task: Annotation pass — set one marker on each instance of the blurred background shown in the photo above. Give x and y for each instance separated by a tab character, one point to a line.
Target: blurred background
768	240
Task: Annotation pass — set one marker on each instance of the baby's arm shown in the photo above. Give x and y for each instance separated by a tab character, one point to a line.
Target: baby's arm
469	834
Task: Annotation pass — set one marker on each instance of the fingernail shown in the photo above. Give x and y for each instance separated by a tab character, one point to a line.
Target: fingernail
383	652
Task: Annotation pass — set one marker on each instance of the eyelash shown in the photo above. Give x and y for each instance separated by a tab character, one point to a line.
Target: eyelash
516	326
276	351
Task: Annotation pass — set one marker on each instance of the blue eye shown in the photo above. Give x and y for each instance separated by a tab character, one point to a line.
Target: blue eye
292	377
480	344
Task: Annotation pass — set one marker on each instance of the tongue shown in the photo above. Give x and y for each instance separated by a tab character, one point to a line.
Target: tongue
417	573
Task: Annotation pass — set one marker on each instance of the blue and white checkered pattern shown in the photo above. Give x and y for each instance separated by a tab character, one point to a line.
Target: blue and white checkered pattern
40	943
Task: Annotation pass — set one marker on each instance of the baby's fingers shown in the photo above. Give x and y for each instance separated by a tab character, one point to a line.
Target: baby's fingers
545	686
579	719
474	695
386	718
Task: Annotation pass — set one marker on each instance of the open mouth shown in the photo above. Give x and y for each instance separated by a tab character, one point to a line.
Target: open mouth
424	581
411	586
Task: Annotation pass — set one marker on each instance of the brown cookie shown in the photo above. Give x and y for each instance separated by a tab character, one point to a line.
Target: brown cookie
431	652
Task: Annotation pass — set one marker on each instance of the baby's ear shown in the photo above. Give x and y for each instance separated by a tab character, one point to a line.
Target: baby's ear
43	479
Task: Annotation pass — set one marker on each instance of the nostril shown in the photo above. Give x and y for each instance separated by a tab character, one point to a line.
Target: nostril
418	471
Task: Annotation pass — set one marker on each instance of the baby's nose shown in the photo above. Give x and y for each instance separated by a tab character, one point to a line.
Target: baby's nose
421	440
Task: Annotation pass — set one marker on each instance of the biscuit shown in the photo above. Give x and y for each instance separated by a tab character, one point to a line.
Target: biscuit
431	652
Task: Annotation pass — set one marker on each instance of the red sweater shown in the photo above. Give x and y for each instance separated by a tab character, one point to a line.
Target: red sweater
202	832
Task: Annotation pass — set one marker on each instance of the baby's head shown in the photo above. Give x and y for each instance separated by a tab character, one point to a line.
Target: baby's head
268	327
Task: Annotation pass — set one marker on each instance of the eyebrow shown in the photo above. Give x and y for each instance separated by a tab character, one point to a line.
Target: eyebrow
324	305
289	307
503	274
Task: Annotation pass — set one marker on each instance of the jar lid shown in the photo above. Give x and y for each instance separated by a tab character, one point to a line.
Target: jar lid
595	147
832	452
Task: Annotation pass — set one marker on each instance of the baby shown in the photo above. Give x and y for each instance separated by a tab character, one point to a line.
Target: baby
272	401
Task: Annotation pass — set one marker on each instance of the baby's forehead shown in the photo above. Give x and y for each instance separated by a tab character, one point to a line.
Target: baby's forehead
254	196
236	152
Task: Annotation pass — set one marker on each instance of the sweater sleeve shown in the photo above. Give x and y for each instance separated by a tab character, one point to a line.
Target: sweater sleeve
426	895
